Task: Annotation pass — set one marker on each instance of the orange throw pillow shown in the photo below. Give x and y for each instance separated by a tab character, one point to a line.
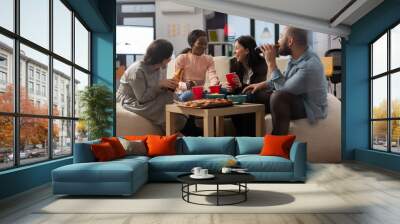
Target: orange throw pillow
161	145
277	145
116	145
103	151
136	138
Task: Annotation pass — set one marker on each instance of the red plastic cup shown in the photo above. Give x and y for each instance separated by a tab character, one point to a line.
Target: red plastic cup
229	79
197	92
215	89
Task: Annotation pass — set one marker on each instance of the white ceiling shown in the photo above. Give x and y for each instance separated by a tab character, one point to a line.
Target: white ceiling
320	9
315	15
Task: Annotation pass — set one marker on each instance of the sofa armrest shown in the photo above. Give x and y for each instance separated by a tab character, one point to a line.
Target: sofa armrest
83	152
298	155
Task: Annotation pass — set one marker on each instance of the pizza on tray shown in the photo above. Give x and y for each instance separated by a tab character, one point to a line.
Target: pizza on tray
207	103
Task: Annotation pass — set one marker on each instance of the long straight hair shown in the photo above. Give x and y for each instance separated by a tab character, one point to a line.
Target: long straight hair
253	58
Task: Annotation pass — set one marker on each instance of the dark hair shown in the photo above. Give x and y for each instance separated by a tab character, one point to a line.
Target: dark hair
158	51
250	44
300	36
192	38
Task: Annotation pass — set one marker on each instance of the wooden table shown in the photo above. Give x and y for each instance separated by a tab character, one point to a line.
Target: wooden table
215	114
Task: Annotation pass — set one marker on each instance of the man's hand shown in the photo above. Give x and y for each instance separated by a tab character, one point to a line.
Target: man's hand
270	53
168	84
254	87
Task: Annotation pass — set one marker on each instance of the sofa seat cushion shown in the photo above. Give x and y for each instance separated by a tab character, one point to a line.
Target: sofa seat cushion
112	171
257	163
185	163
132	160
133	157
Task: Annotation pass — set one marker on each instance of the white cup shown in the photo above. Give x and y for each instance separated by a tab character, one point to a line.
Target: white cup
226	170
203	172
196	171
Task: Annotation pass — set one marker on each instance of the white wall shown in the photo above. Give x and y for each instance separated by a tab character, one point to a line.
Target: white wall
323	42
175	26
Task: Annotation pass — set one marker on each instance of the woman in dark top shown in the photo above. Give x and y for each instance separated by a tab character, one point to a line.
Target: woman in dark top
251	68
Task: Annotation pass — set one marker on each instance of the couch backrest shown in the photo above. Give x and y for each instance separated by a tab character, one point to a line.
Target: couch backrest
206	145
191	146
83	152
249	145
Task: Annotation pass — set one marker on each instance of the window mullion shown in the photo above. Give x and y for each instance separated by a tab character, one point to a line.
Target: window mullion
73	82
371	93
389	94
50	81
16	84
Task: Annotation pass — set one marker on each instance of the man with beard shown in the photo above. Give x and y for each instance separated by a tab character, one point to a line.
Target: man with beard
301	92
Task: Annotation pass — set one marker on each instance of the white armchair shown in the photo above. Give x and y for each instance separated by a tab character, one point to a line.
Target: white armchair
323	138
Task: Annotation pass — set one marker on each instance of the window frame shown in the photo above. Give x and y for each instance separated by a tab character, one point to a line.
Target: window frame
388	74
16	114
120	22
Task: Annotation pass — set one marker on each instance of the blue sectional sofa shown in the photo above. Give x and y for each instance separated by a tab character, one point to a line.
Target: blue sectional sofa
125	176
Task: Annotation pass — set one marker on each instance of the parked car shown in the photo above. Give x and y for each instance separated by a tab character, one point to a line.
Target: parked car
22	155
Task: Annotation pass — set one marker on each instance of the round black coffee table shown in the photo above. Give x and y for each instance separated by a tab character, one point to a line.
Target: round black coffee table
238	179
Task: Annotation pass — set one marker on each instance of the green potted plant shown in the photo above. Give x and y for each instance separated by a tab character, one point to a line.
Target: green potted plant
96	103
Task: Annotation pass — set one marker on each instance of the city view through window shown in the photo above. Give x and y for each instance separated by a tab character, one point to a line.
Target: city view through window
41	122
385	92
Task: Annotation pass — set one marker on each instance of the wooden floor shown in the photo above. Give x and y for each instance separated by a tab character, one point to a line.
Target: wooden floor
377	188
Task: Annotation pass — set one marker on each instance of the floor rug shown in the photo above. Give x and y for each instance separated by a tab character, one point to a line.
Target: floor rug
167	198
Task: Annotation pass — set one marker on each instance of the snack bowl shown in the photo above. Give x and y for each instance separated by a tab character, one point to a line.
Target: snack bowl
237	99
214	96
186	96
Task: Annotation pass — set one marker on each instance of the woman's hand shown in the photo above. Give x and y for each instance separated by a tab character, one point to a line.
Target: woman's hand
169	84
254	87
228	87
237	82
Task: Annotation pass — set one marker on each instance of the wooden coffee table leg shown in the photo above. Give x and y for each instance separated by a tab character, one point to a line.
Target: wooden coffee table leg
260	123
170	123
208	126
220	126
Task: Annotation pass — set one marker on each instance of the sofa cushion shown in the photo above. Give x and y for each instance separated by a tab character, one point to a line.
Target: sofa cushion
136	137
249	145
112	171
134	147
257	163
185	163
103	152
131	158
206	145
277	145
116	145
161	145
